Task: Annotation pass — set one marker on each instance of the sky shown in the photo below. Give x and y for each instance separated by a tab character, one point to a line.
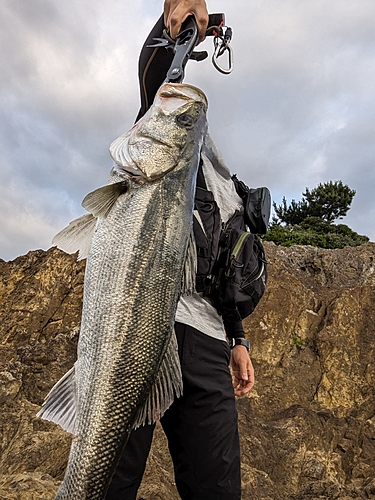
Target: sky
298	109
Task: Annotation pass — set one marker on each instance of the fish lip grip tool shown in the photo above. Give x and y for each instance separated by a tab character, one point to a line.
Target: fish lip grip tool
187	39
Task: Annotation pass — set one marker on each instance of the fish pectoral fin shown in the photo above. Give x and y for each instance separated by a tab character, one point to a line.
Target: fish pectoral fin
100	201
77	236
61	402
167	386
190	268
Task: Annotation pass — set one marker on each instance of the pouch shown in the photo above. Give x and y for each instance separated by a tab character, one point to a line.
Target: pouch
258	209
257	205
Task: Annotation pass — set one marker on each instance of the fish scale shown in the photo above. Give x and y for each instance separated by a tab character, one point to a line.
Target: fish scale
132	285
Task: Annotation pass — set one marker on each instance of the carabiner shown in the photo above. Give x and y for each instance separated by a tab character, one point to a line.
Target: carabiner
220	48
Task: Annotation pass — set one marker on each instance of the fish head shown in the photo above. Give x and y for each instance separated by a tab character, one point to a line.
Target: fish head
174	127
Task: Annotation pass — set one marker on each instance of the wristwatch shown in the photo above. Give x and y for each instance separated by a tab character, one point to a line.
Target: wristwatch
240	341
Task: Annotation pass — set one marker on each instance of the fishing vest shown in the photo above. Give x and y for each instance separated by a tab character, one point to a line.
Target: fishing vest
231	264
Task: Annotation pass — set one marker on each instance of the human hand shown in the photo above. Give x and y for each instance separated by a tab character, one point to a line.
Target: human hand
176	11
242	370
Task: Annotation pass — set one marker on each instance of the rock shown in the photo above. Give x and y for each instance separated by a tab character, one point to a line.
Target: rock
28	486
9	387
307	428
40	307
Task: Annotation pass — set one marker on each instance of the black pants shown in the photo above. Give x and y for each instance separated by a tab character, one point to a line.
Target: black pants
201	428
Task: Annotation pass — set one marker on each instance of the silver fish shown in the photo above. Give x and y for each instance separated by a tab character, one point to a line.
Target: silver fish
127	372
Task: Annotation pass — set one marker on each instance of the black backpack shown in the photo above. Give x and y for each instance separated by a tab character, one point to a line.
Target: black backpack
231	267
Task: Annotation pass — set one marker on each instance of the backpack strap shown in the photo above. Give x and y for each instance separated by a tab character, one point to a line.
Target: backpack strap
206	226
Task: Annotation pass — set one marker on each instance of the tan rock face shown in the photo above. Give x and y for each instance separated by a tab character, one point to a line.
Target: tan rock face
308	426
40	307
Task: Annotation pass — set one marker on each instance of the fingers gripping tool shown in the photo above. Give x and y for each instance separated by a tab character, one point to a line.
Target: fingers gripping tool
186	40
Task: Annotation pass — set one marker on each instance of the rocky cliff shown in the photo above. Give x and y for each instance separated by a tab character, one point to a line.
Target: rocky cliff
308	426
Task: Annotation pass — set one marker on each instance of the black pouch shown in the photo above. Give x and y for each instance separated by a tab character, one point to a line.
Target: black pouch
258	210
257	205
242	274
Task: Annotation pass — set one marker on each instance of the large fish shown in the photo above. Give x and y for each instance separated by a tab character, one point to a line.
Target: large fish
127	371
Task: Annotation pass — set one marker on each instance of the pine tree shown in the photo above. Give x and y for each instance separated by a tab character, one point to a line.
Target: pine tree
329	201
310	221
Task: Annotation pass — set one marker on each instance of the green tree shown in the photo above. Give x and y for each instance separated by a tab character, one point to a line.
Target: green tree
310	221
329	201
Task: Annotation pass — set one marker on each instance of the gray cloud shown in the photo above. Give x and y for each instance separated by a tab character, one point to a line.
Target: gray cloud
297	110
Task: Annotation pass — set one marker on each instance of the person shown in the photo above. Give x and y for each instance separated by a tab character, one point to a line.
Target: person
201	425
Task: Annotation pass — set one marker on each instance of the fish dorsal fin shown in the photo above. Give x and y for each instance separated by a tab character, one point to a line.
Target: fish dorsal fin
77	236
100	201
167	386
60	403
190	268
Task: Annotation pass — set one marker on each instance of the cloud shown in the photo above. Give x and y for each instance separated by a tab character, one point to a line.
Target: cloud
30	222
297	110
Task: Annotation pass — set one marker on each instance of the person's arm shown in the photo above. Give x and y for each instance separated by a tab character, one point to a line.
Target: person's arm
176	11
155	62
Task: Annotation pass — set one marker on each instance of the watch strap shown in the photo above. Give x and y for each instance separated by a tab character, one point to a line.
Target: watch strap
240	341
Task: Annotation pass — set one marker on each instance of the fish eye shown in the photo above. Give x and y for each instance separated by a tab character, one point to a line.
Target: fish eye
185	121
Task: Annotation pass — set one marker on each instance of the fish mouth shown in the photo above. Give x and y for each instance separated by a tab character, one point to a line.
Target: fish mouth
182	91
149	138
